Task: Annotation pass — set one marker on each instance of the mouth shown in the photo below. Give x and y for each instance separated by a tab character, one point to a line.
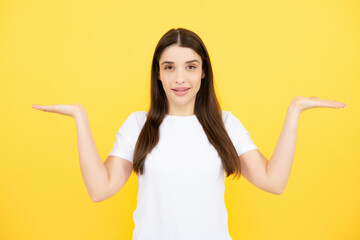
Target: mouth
181	92
180	89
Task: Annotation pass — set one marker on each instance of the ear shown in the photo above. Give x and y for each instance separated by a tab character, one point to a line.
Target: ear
203	75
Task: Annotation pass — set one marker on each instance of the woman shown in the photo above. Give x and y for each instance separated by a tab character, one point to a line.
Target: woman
181	148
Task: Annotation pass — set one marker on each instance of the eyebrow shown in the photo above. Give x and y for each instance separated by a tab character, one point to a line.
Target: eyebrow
185	62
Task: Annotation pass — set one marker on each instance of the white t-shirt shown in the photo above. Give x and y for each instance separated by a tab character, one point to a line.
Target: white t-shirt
181	194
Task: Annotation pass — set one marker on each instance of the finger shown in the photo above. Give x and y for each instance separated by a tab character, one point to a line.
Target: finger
46	108
341	104
36	106
322	103
336	103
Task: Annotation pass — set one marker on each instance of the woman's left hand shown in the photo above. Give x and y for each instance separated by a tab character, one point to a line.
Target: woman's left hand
303	103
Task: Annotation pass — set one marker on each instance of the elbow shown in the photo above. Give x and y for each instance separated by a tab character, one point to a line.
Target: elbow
101	196
96	198
275	189
278	191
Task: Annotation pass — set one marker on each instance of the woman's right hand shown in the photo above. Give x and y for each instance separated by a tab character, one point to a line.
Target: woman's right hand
65	109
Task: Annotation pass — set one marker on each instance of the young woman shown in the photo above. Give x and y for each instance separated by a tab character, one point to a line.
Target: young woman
182	147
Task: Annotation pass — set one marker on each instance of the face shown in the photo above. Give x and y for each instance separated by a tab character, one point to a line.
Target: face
180	75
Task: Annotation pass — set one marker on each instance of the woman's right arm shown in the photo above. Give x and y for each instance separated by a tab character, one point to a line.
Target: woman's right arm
93	170
102	180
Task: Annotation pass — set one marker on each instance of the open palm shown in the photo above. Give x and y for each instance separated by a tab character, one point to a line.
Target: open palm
64	109
303	103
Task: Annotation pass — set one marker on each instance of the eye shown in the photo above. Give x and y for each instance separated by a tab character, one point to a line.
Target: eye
192	66
167	67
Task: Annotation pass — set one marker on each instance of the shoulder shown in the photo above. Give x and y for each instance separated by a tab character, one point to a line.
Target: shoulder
225	115
231	121
139	115
228	117
133	124
138	118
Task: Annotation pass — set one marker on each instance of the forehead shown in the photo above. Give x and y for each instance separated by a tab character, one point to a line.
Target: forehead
179	54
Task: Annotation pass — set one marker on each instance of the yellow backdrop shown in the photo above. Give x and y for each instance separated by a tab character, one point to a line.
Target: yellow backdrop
98	53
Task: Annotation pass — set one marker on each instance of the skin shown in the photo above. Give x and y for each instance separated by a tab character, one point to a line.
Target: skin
180	74
272	175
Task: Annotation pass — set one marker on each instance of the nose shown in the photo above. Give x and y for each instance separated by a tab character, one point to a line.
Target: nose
180	77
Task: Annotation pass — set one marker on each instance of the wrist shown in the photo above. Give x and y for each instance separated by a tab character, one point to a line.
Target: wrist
293	108
80	112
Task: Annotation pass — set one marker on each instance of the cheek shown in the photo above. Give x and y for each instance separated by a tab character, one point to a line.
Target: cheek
165	80
163	83
196	82
166	86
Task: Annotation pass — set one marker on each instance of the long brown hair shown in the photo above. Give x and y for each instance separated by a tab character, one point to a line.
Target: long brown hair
207	108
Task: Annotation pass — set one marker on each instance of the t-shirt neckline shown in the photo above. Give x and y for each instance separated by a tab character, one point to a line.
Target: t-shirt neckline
180	117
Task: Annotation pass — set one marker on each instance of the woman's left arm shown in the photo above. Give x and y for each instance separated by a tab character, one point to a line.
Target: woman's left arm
277	169
279	165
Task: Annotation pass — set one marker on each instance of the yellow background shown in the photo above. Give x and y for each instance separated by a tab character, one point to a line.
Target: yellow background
98	53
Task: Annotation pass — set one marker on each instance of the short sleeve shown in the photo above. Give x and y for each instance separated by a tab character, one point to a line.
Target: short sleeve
124	142
239	135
